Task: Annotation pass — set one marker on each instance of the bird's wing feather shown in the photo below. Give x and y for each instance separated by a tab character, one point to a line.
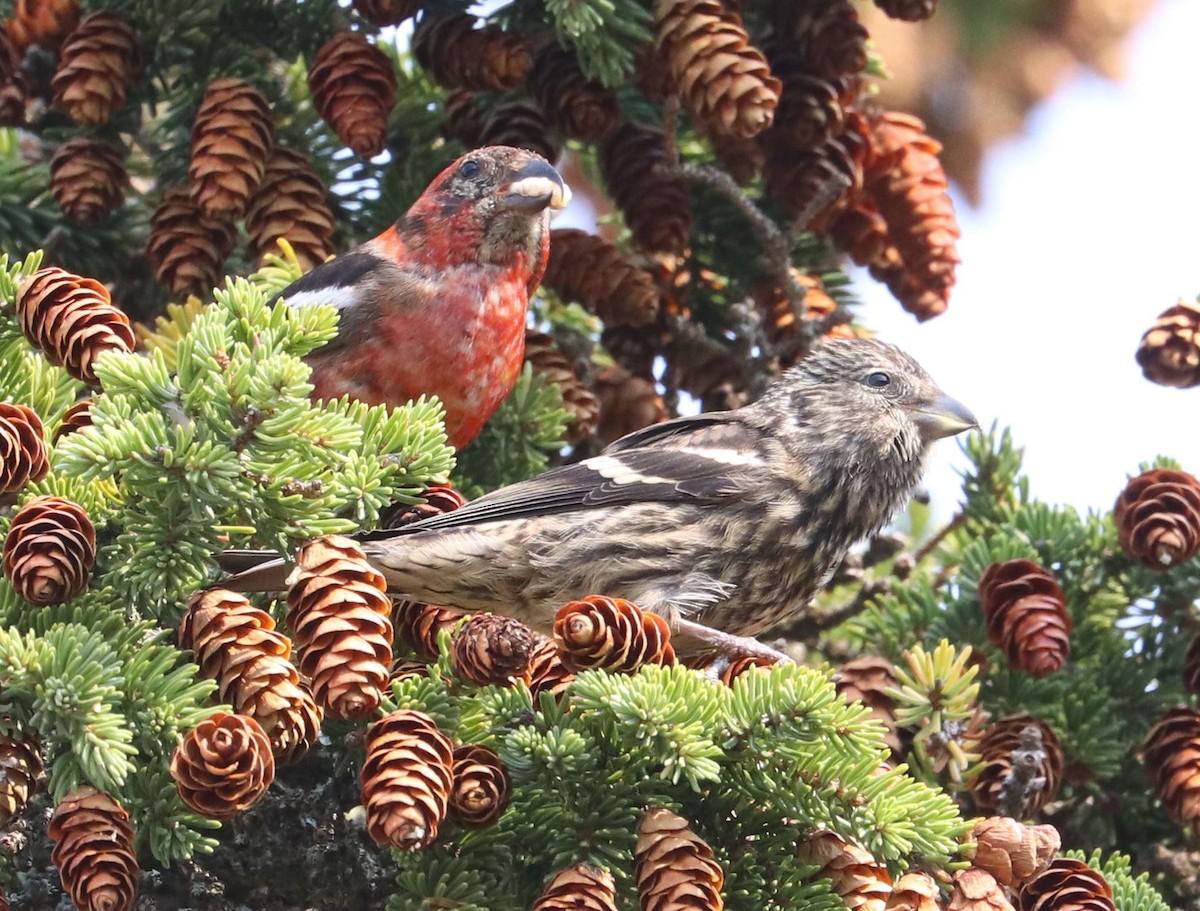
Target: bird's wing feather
686	426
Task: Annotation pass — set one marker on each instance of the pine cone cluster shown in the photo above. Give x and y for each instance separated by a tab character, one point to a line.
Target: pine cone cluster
49	550
340	619
481	789
1158	518
223	766
237	645
353	87
584	887
1022	765
490	649
611	633
860	880
231	139
1068	885
187	247
656	205
21	767
1171	755
544	356
289	204
406	779
575	106
87	179
23	456
461	56
1169	353
1025	612
418	625
675	867
1010	851
72	320
94	851
74	419
592	271
867	680
96	66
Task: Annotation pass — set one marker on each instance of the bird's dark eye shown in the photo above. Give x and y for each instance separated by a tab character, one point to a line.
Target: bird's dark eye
878	380
468	169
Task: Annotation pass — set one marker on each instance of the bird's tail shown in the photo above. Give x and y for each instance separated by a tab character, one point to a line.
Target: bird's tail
253	570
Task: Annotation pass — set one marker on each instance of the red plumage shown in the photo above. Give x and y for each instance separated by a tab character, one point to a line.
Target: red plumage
436	304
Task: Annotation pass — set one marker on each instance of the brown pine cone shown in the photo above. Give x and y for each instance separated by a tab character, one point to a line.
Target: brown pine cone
543	354
481	789
810	108
1025	612
418	625
1191	666
74	419
490	649
406	779
290	204
96	66
87	179
811	185
231	139
914	891
584	887
862	882
1171	755
1158	518
675	866
592	271
1022	765
1068	885
21	762
12	83
42	22
520	124
23	457
977	890
223	766
460	56
782	328
908	10
237	645
860	231
828	34
741	158
611	633
576	106
49	550
94	851
386	12
72	320
439	498
1169	353
353	86
1010	851
547	673
627	403
657	206
186	247
722	79
867	680
464	119
341	626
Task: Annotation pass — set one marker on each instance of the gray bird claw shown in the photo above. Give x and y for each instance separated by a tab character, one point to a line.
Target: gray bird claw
728	648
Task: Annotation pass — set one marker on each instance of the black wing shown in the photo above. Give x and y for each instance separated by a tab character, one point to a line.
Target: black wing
696	459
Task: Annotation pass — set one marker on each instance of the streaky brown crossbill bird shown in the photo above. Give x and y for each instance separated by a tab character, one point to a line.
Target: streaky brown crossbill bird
726	523
436	303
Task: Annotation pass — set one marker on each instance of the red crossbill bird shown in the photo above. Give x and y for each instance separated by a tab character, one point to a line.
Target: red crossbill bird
436	303
725	523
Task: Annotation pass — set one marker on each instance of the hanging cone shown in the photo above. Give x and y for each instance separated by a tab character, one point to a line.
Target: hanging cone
74	419
592	271
353	86
87	179
237	645
290	204
1010	851
741	158
12	83
1068	885
544	356
1022	767
464	119
828	36
855	875
94	851
342	631
406	780
386	12
481	789
42	22
812	185
520	124
1025	612
72	320
656	206
1171	755
460	56
867	680
96	66
418	625
1158	518
722	79
20	769
547	673
627	403
908	10
223	766
977	890
231	139
676	870
611	633
860	231
489	649
576	106
810	108
49	550
580	888
23	457
1169	353
186	247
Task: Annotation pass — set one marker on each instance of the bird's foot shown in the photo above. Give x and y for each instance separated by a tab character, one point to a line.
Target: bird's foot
727	648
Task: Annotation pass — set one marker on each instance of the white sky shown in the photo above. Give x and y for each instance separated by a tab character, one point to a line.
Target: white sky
1090	228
